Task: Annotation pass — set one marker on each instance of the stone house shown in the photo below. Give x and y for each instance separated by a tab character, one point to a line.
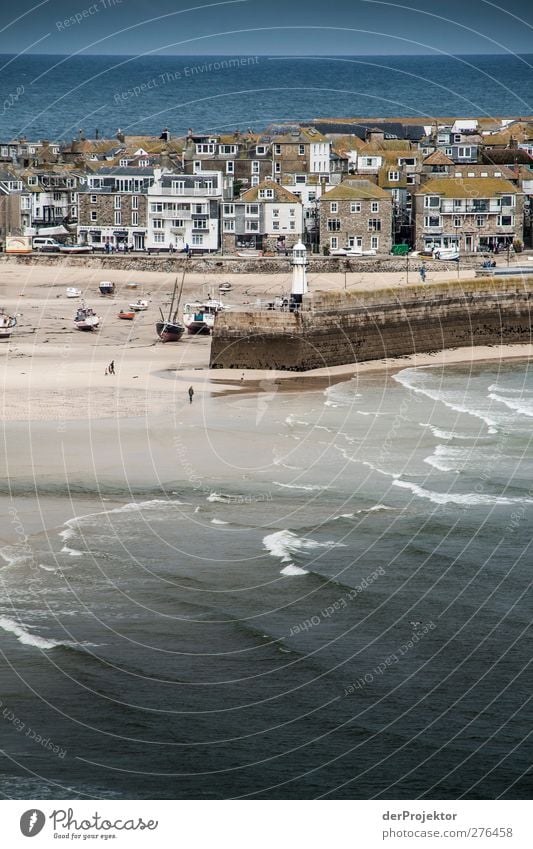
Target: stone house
112	208
356	214
298	151
468	213
244	157
267	217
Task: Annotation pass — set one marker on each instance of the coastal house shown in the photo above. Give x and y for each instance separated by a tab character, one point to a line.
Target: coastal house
184	211
468	213
356	214
112	208
244	157
13	205
267	217
53	197
299	150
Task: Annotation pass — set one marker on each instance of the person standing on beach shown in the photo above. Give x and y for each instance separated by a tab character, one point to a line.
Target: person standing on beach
191	393
422	272
112	367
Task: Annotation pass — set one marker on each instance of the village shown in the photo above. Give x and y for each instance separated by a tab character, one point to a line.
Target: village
347	187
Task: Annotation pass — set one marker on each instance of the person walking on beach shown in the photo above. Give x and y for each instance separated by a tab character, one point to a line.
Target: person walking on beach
191	393
422	272
112	367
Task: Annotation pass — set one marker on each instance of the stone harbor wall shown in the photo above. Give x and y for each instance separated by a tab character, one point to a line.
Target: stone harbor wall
337	328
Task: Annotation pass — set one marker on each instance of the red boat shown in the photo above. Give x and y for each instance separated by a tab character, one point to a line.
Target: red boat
127	315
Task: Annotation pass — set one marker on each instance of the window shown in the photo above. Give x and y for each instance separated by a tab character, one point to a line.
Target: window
449	151
374	224
457	222
300	178
118	202
432	200
275	225
374	206
275	213
178	223
227	148
205	148
374	242
266	193
134	219
255	167
178	186
432	221
32	181
156	207
334	242
260	150
301	149
355	206
410	179
292	225
334	224
507	200
334	207
94	199
464	152
118	216
277	149
277	167
505	220
229	225
254	180
292	213
197	239
229	209
394	176
123	163
480	221
251	226
252	209
94	216
369	161
135	202
159	238
230	167
157	224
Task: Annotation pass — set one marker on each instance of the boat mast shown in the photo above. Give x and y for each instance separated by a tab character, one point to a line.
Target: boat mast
180	292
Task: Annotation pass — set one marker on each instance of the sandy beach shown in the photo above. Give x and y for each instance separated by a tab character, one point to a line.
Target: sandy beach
50	371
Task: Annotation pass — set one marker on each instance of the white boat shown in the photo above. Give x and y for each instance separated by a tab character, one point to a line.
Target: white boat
446	253
86	318
139	305
199	316
75	249
72	292
7	323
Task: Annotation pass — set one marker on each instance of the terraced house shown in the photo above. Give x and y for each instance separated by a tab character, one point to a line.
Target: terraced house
468	213
112	208
357	215
267	217
245	157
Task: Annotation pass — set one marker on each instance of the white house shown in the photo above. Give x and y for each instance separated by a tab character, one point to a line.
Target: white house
184	211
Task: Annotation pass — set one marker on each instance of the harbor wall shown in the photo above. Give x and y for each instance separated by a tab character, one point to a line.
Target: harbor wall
337	328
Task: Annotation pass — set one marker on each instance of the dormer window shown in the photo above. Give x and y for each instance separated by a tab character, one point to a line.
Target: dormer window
260	150
266	193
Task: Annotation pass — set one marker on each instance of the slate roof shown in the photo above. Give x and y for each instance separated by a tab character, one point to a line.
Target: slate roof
469	187
356	190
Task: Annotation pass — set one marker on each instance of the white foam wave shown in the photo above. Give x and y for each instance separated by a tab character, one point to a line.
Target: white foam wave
413	380
462	499
219	522
447	459
285	544
495	388
72	552
293	570
25	637
219	497
524	407
15	554
305	487
446	434
380	471
375	509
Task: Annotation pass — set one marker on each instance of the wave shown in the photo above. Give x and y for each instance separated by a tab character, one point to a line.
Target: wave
219	522
291	569
220	497
13	554
285	544
375	509
291	420
495	388
447	459
72	552
26	638
341	394
306	487
410	378
447	434
380	471
468	499
523	407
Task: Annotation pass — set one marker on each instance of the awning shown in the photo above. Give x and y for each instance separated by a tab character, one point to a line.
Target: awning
53	231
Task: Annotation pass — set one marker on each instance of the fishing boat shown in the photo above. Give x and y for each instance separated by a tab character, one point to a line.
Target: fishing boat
86	318
127	315
7	323
139	305
72	292
170	329
199	316
106	287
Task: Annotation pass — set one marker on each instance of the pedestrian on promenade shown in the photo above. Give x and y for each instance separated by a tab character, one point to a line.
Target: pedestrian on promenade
191	393
422	272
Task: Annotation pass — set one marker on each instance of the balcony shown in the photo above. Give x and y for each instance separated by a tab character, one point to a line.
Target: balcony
187	192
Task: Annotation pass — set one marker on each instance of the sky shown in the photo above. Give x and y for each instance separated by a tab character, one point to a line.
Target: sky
276	27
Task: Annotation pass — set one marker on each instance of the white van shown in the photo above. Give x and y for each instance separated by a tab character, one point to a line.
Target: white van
45	243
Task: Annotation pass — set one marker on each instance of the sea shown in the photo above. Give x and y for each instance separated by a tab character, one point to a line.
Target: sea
347	616
46	96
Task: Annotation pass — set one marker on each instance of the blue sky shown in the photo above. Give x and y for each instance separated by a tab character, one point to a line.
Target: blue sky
303	27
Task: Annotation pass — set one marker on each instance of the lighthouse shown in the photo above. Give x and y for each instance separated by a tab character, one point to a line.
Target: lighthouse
299	274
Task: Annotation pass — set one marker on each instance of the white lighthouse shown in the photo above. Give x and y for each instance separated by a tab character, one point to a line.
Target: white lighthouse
299	273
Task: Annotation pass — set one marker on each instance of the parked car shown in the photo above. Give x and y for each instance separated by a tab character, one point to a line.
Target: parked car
45	244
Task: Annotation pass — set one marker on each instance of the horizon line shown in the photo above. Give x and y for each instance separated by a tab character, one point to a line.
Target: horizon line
268	55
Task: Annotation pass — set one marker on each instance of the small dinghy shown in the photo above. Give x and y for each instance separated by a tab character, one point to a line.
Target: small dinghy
139	305
72	292
127	315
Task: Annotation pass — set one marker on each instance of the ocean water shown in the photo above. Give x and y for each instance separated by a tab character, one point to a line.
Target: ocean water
55	96
351	618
